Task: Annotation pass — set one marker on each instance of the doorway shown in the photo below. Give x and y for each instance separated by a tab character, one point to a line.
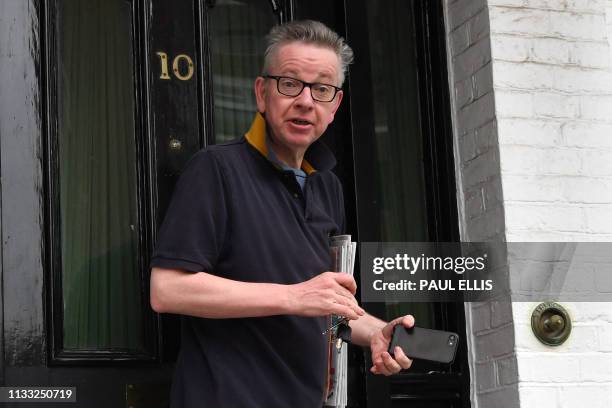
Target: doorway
133	88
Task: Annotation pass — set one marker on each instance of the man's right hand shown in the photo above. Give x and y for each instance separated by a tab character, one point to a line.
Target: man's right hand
325	294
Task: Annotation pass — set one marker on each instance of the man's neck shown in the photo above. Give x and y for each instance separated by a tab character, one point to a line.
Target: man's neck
290	157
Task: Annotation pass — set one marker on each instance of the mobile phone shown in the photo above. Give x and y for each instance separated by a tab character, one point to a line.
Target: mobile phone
425	344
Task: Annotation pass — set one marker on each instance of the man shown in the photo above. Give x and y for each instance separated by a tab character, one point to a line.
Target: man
244	249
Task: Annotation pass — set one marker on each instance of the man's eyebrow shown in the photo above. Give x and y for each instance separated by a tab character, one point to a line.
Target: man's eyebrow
325	77
321	78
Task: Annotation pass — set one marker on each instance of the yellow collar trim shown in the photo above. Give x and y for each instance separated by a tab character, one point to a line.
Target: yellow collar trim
256	136
307	167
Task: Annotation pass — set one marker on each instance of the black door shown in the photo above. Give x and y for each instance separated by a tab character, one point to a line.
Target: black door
123	92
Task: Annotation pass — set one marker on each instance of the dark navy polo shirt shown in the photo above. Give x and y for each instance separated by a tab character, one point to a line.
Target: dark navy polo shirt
236	215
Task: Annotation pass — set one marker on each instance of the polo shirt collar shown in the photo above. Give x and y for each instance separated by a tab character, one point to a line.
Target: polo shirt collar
317	156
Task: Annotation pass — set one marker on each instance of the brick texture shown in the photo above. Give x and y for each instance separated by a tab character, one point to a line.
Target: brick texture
531	82
490	329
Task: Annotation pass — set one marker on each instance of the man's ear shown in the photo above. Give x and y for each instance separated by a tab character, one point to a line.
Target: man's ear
260	94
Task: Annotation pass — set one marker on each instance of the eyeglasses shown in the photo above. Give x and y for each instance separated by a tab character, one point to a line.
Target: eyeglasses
293	87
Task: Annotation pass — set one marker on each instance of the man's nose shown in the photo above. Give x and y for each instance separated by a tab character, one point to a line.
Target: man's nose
304	99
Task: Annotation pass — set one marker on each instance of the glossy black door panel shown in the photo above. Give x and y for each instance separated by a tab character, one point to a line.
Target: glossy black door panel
95	208
21	150
97	188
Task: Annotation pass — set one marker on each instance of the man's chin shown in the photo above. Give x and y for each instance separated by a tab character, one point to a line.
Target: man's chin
299	140
302	144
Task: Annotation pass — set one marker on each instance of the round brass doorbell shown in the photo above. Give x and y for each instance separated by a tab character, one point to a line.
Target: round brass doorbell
551	323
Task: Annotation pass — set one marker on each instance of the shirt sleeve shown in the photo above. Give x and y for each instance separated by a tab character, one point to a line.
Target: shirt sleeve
193	232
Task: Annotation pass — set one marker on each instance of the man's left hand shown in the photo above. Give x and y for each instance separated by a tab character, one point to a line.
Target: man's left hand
383	362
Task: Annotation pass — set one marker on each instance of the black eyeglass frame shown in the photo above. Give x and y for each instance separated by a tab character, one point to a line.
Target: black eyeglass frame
304	85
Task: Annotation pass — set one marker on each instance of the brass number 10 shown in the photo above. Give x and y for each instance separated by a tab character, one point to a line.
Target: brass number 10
163	57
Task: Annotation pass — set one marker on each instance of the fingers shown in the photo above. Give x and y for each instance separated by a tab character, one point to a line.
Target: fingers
345	280
391	365
385	364
345	287
346	307
327	293
407	321
345	311
341	283
342	291
401	358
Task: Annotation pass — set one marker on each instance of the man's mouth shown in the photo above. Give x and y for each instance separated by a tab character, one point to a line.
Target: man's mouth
300	122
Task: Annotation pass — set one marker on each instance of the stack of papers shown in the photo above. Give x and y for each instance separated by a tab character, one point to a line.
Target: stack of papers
343	260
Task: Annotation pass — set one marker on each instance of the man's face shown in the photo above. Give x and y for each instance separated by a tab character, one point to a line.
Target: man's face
296	122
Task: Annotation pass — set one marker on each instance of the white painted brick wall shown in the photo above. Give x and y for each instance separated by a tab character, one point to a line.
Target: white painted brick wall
542	171
553	106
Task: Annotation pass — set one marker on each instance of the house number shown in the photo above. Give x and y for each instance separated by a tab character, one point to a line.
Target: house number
176	62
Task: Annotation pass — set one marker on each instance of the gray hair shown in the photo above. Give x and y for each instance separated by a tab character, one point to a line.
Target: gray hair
308	32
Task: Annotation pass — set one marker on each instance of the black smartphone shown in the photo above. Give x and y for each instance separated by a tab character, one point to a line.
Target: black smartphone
425	344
